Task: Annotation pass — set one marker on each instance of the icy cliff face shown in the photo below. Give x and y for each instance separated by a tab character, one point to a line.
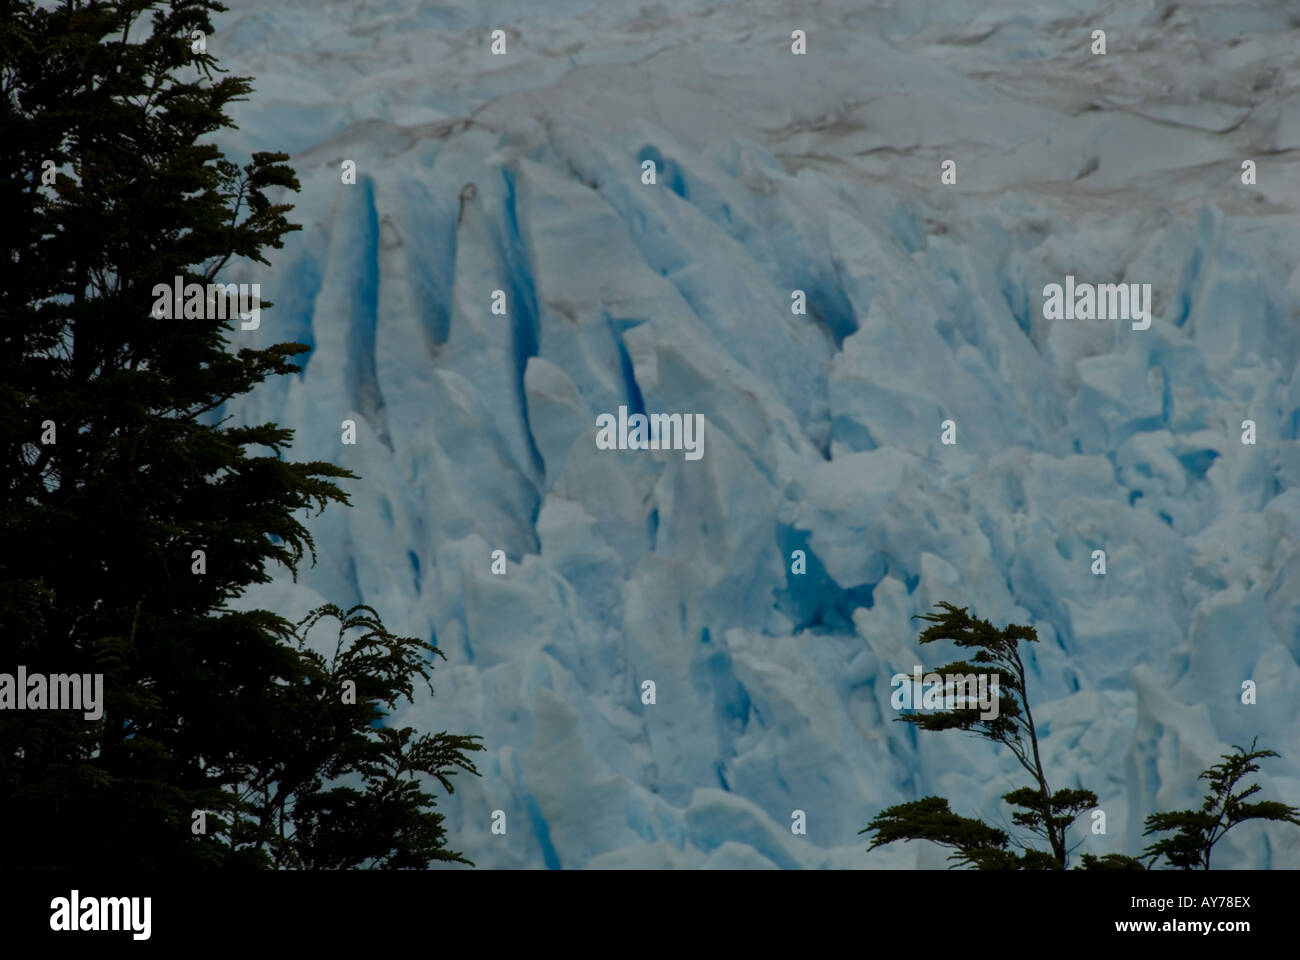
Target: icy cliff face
777	173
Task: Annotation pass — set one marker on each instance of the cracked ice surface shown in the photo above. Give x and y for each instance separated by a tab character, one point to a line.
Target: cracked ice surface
777	172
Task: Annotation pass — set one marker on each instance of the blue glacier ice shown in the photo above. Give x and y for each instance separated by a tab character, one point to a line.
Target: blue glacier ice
779	173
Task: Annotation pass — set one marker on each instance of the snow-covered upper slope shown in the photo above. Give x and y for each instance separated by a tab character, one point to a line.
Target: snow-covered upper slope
821	173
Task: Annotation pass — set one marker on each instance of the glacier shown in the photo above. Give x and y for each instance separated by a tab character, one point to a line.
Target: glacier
775	173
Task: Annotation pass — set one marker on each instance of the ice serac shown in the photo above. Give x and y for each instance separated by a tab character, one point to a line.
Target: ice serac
779	173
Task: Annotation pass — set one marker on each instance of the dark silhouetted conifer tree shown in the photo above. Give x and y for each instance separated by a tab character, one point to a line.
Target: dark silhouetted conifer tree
109	187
